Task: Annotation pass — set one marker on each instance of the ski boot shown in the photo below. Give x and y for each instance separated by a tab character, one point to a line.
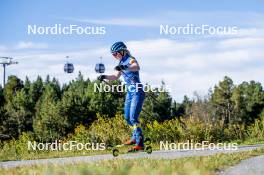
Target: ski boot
130	142
136	148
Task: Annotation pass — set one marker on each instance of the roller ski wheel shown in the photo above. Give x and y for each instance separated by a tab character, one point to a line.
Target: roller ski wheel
115	152
148	149
147	141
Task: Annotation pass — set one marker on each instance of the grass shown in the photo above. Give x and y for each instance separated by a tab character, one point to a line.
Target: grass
12	154
15	150
250	141
30	155
205	165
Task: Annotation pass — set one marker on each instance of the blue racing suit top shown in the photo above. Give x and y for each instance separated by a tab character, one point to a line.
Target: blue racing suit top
131	78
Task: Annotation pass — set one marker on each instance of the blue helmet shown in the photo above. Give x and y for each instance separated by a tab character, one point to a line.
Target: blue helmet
118	46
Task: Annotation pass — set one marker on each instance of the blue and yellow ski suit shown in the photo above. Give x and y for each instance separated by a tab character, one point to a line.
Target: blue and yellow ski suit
134	98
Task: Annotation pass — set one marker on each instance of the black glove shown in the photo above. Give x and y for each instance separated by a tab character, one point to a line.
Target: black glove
101	77
121	67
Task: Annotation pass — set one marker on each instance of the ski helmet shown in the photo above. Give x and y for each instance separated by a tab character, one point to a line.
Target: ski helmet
118	46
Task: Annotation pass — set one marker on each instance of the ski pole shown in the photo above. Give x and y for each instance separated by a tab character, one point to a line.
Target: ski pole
141	109
132	78
153	98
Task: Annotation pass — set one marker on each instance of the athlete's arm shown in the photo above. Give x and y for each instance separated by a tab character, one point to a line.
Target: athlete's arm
134	67
115	76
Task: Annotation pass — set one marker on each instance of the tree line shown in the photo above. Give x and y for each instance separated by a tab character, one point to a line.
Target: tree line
52	111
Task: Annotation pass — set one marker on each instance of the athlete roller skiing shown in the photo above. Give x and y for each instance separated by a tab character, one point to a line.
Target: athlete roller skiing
129	68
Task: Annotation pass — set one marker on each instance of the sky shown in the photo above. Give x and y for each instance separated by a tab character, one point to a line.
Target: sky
187	63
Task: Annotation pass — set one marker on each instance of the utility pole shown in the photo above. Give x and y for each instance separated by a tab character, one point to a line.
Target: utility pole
6	61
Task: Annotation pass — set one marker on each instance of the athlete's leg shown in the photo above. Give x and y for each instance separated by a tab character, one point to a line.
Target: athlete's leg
135	109
127	108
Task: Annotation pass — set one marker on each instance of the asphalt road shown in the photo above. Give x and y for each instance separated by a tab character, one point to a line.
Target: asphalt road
171	154
251	166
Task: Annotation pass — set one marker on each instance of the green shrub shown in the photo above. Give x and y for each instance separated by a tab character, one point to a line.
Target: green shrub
257	129
114	131
170	130
108	130
16	148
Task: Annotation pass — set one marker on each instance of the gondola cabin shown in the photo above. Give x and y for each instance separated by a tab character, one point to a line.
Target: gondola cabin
68	68
100	68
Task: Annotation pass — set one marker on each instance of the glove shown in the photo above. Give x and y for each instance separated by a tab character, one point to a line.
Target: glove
121	67
101	77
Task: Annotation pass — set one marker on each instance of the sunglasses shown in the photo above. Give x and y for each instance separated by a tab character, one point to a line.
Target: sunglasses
115	54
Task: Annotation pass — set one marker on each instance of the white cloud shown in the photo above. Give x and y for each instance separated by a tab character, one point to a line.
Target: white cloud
179	18
197	66
185	66
30	45
118	21
243	42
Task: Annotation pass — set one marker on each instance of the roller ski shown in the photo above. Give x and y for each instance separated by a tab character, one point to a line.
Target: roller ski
134	148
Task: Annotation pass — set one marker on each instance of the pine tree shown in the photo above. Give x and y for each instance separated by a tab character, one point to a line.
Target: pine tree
221	99
36	89
249	101
49	124
157	104
19	115
13	85
75	104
